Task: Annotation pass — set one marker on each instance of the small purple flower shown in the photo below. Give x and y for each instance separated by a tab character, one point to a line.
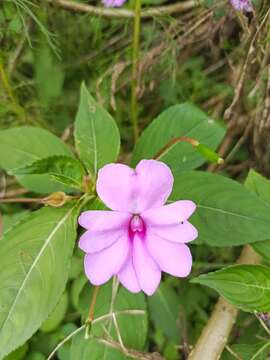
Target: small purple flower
113	3
141	237
242	5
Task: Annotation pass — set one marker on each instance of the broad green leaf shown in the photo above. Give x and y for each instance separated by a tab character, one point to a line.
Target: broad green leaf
130	313
179	120
56	317
22	146
245	286
34	256
64	169
227	213
164	311
18	354
261	186
10	220
97	137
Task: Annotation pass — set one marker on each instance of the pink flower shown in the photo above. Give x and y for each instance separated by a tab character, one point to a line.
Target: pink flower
113	3
141	236
242	5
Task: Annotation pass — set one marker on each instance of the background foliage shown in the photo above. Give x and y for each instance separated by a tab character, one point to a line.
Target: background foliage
64	106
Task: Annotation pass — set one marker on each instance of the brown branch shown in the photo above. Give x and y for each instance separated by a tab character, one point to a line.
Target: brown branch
92	305
124	13
15	192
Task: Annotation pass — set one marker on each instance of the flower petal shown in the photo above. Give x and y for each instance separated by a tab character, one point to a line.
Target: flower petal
115	186
173	213
147	271
172	258
155	182
179	233
127	276
102	220
124	189
95	241
101	266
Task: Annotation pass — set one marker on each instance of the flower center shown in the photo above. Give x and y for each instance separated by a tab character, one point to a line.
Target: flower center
136	224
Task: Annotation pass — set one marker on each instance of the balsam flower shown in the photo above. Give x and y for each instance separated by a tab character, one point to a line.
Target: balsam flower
141	237
113	3
242	5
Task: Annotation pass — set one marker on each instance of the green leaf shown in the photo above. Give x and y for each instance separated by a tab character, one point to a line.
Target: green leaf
22	146
227	213
65	169
19	353
56	317
177	121
34	257
245	286
10	220
85	349
131	317
97	137
247	351
261	186
164	311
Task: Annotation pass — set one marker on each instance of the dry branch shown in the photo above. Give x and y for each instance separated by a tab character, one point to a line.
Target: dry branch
124	13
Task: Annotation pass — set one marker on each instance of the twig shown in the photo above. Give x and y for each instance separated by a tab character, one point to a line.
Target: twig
134	354
90	318
229	111
124	13
14	192
21	200
95	321
236	356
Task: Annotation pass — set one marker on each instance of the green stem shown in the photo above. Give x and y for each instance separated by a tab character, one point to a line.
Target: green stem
6	85
135	65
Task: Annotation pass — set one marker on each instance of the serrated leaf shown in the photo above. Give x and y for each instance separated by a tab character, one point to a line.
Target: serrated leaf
260	186
178	121
34	257
67	170
22	146
245	286
164	311
97	137
227	213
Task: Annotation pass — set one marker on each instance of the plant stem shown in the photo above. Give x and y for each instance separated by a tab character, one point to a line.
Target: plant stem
90	317
5	81
135	66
